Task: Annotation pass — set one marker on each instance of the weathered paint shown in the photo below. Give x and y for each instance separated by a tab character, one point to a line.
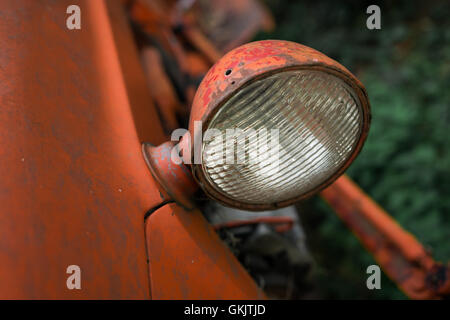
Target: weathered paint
161	89
175	179
253	61
187	260
74	187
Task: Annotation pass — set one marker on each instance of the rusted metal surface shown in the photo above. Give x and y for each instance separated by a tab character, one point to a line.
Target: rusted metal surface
187	260
400	255
253	61
156	29
177	28
74	187
175	178
161	89
153	17
145	116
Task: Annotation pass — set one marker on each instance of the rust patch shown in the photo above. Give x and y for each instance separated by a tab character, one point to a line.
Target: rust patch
187	260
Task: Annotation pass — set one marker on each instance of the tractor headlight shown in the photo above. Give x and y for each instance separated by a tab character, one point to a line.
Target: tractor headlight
291	121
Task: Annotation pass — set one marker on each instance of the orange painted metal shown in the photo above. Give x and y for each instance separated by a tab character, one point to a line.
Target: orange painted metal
145	116
281	224
197	65
161	89
74	187
400	255
175	179
153	16
254	61
187	260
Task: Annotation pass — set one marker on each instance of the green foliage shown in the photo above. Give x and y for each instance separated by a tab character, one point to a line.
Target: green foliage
405	164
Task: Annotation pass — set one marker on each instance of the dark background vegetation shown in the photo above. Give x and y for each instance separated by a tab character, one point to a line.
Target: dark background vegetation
405	164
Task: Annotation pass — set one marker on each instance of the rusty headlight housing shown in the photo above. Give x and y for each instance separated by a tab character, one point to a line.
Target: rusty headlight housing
320	110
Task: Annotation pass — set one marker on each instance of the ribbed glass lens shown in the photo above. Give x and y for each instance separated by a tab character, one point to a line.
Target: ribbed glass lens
295	129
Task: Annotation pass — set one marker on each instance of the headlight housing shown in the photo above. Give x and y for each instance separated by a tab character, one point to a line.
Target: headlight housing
307	114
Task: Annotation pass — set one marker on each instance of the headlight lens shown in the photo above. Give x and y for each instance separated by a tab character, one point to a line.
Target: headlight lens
319	119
